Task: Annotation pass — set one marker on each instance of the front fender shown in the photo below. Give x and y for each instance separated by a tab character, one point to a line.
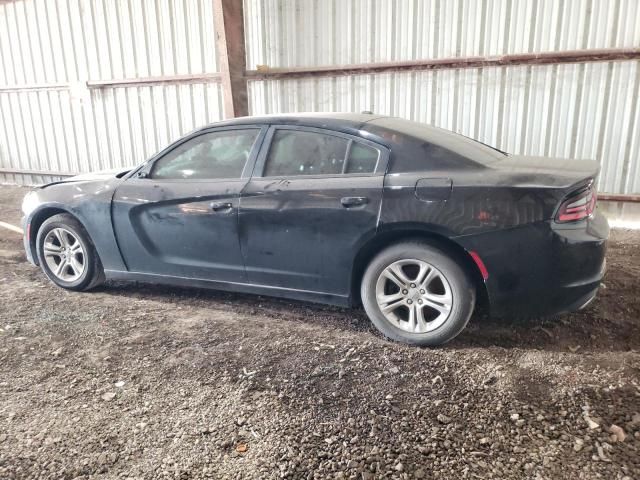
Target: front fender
89	202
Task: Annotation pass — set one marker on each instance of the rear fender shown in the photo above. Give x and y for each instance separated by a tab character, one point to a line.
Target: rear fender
395	233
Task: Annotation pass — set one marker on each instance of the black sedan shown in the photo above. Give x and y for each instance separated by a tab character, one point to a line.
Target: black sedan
416	223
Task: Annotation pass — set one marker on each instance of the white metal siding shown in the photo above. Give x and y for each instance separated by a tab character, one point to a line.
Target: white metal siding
287	33
588	110
54	47
570	110
49	41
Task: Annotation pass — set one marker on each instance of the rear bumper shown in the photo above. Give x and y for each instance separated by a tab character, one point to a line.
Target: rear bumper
584	301
543	268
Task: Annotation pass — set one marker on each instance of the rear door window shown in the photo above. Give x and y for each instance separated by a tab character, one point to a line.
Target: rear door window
362	159
295	152
299	152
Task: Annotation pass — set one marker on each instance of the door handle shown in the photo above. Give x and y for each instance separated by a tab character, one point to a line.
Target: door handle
220	206
353	201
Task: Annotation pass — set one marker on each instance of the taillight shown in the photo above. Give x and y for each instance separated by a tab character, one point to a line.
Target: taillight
578	206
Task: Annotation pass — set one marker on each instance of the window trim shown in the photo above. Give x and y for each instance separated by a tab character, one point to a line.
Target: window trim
381	165
249	165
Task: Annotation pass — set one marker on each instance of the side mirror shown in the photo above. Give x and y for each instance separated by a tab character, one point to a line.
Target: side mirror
142	174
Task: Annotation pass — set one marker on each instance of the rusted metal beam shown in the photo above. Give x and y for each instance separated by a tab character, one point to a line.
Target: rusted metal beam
120	82
229	23
34	87
544	58
166	79
614	197
46	173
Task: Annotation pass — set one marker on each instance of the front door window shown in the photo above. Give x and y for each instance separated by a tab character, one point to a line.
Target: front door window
213	155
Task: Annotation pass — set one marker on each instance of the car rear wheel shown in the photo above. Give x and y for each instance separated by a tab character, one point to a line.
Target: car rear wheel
67	255
415	293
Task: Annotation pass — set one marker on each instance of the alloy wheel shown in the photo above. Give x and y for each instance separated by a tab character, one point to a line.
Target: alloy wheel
414	296
64	254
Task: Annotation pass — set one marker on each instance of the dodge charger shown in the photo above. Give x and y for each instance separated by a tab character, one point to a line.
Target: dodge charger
415	223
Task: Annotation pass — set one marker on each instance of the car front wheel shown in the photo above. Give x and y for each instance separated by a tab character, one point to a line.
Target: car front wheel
67	255
415	293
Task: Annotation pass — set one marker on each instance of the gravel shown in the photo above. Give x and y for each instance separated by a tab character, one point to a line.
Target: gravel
138	381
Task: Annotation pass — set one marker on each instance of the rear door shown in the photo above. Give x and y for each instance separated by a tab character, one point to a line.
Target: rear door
180	217
314	198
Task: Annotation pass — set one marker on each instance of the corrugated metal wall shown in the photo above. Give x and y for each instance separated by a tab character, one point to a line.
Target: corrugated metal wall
60	109
584	110
572	110
49	50
287	33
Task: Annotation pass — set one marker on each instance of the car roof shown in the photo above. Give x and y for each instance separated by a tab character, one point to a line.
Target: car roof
336	121
330	120
352	123
383	129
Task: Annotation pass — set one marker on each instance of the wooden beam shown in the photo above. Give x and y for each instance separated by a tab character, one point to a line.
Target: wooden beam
543	58
229	23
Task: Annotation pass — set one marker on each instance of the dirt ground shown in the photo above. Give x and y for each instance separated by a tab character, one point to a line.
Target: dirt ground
137	381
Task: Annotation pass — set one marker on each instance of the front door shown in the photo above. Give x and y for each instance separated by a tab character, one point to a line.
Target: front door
181	218
314	198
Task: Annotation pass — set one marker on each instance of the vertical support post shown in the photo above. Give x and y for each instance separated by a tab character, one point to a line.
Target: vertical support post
229	23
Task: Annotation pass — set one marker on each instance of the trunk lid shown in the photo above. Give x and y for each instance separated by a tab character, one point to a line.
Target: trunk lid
535	171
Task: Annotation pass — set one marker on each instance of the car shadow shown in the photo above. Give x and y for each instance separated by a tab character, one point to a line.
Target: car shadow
574	333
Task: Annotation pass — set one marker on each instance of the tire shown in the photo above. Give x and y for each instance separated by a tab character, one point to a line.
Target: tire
68	241
443	293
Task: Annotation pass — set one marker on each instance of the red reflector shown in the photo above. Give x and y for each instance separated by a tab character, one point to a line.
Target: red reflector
29	230
483	270
483	215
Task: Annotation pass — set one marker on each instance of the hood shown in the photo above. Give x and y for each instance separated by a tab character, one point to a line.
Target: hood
94	176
